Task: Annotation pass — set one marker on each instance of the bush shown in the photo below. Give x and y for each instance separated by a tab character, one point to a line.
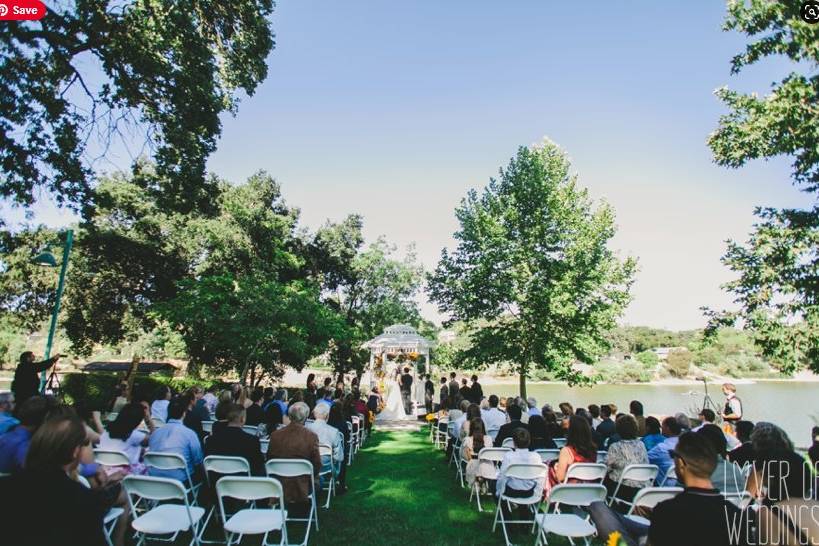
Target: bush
649	359
679	362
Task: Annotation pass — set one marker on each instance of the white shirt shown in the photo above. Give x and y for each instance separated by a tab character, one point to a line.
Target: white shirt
457	425
210	401
328	435
159	409
132	447
519	456
493	419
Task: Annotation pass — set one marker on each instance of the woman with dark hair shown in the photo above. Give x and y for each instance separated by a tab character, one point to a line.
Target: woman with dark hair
654	434
471	447
338	420
273	418
123	435
540	434
552	425
626	451
635	407
579	448
472	412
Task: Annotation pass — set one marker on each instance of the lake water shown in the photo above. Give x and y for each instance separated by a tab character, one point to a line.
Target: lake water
793	406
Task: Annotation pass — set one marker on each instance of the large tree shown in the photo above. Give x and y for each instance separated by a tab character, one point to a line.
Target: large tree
533	261
777	284
151	76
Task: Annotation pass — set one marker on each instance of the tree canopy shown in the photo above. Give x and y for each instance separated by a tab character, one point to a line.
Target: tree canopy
777	284
532	260
152	76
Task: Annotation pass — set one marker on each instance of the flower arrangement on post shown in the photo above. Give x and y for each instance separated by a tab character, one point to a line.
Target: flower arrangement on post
616	539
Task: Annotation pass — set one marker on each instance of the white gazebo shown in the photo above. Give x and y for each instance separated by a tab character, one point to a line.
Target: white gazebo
402	344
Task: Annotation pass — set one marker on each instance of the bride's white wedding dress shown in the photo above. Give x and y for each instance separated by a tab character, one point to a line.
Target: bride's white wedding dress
393	405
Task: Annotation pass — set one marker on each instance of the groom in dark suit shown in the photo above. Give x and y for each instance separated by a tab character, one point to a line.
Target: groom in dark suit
406	390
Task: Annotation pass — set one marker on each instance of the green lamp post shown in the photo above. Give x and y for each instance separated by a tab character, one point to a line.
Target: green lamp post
47	259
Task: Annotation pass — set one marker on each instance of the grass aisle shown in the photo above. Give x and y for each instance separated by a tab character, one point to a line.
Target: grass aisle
401	491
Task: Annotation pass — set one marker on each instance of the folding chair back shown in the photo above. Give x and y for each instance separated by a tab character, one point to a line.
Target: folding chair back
207	426
577	494
224	465
547	455
671	474
526	471
289	468
740	498
559	442
649	497
493	454
602	456
153	488
110	457
111	417
264	444
253	431
509	442
586	472
165	461
325	450
640	473
248	489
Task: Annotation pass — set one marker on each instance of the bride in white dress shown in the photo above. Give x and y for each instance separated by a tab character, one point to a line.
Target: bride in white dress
393	405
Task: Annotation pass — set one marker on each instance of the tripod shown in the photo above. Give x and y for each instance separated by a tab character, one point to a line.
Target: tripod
707	401
53	382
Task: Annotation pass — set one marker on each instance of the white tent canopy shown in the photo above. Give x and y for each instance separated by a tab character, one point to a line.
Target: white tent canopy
398	339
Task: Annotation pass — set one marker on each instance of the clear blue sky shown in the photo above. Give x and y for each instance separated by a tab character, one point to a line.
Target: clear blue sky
395	109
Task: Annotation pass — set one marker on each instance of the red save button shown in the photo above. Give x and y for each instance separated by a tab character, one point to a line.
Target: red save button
21	10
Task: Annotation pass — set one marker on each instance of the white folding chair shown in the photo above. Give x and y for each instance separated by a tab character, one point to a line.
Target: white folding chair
172	461
329	472
644	473
742	499
559	442
350	443
252	430
522	471
110	457
570	525
253	520
263	444
548	455
222	465
441	433
671	474
294	468
509	442
586	472
207	427
492	432
602	456
489	461
648	498
109	520
111	417
158	518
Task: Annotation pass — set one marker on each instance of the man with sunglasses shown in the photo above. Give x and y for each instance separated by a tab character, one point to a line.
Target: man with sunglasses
699	515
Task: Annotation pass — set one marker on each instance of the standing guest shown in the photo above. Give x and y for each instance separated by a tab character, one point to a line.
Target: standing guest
328	435
210	399
660	454
375	401
123	435
594	411
626	451
606	427
635	407
296	442
7	420
453	386
465	391
175	437
540	434
727	477
26	382
444	395
429	393
653	435
338	420
813	450
493	418
744	453
476	390
326	390
406	392
515	487
507	430
255	414
159	407
531	407
699	516
15	443
75	513
471	448
232	441
732	412
312	387
579	448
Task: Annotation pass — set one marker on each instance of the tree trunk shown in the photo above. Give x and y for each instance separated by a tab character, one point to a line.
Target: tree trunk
132	373
523	383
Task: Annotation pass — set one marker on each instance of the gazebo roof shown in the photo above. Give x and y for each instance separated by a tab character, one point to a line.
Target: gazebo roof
399	336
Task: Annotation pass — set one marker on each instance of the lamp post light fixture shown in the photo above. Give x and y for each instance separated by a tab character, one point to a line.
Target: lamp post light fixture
47	259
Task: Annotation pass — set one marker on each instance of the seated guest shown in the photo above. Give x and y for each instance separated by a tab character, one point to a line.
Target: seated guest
594	411
635	407
197	412
684	421
727	476
606	427
273	418
514	487
267	397
175	437
579	448
473	411
493	418
540	434
552	426
220	414
699	515
232	441
531	407
707	416
627	451
328	435
7	420
123	434
338	419
15	443
255	413
744	453
210	399
507	430
159	407
471	448
74	512
653	434
280	399
459	420
296	442
660	454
